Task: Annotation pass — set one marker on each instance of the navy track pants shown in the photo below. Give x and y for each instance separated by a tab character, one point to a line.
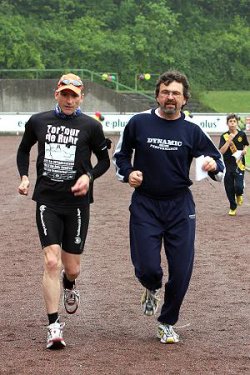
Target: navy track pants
234	186
169	222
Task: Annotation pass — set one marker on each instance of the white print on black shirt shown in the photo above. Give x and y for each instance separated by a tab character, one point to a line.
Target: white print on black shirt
61	134
60	150
164	144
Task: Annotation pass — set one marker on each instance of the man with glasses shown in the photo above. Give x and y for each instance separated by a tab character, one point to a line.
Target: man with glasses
63	192
154	156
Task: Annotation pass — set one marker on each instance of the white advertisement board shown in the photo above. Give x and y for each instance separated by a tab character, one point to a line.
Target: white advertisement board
115	123
209	122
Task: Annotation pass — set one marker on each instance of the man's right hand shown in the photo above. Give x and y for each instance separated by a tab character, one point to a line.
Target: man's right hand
23	188
135	179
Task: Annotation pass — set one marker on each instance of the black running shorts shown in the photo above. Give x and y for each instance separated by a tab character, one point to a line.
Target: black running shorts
65	227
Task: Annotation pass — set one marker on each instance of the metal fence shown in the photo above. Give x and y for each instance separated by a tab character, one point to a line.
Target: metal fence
143	82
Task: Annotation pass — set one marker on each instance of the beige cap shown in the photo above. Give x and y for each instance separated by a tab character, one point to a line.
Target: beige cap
70	82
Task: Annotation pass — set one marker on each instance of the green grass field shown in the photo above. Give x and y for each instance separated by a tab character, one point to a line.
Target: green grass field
227	101
248	157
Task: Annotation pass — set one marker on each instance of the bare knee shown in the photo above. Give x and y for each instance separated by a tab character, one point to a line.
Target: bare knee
71	264
52	259
72	272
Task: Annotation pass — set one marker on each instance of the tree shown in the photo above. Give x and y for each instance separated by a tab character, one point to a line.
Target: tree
207	40
17	51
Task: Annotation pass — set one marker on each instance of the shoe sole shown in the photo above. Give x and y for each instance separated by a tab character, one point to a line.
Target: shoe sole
70	312
149	313
66	308
56	344
170	340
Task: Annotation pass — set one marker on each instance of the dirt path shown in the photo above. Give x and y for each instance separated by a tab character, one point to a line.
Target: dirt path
109	334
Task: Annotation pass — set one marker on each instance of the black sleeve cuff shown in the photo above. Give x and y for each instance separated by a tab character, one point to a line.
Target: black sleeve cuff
90	176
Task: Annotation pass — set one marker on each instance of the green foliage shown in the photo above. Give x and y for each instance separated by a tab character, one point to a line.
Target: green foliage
247	158
19	51
208	40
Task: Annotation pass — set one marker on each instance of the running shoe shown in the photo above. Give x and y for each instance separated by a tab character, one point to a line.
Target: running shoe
239	200
150	301
166	334
71	298
232	212
55	336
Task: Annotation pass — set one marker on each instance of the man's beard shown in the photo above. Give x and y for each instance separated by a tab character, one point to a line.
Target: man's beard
168	110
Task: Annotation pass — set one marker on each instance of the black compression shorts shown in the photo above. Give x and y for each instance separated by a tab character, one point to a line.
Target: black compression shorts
65	227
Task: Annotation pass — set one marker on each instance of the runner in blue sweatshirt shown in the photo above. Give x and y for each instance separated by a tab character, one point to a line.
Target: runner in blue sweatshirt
154	155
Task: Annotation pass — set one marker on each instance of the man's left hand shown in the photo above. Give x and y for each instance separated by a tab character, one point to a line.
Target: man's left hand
81	186
209	164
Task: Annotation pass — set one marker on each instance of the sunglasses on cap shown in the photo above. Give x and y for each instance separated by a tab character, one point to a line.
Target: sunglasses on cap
70	82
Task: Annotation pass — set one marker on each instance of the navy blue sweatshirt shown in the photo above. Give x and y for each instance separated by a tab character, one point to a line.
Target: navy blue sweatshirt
163	152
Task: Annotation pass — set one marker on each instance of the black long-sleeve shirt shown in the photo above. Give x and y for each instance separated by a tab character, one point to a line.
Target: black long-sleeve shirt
65	147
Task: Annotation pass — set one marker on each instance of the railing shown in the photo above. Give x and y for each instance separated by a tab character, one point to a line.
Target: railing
142	84
51	73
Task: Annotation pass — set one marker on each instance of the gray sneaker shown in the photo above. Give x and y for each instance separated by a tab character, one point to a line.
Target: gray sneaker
71	298
150	302
166	334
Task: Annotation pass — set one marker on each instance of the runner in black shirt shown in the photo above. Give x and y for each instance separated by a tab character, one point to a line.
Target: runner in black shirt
66	139
233	145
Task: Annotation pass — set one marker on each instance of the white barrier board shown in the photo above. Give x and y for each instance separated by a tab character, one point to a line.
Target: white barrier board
210	123
115	123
